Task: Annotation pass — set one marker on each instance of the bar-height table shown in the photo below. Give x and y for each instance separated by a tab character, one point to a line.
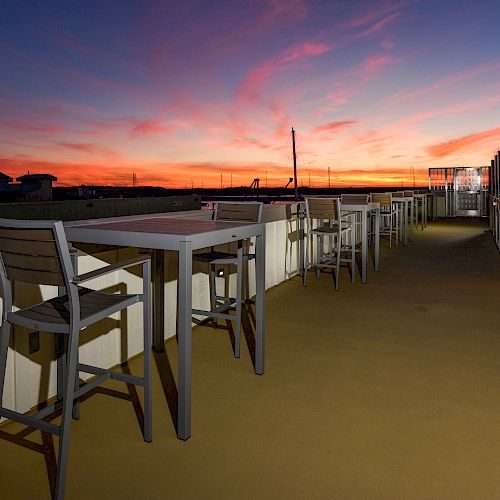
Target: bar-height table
403	205
182	235
365	209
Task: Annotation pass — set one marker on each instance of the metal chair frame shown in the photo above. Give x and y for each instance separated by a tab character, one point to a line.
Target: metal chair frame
388	212
221	305
37	252
324	219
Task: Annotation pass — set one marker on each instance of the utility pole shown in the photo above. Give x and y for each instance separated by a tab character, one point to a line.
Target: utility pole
294	167
329	178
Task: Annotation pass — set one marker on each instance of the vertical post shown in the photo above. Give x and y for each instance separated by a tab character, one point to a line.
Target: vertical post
296	191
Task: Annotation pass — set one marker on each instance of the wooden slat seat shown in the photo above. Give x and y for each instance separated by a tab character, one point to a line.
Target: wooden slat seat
54	315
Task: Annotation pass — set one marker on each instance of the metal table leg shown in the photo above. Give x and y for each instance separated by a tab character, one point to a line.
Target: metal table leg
259	302
184	308
377	239
159	301
364	245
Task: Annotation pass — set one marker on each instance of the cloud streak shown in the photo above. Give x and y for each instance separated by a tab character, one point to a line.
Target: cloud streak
466	143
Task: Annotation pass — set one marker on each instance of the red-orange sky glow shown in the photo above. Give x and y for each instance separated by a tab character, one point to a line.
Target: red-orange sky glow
190	94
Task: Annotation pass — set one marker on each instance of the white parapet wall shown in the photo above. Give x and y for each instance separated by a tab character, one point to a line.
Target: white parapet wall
31	378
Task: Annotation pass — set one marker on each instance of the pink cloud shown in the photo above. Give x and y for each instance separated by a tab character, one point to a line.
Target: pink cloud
445	82
465	143
278	10
373	63
252	85
33	127
379	26
334	126
374	15
249	142
88	148
139	127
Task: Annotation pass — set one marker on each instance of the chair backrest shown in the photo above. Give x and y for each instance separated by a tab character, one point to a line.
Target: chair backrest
385	199
323	208
408	194
248	211
398	194
355	199
34	252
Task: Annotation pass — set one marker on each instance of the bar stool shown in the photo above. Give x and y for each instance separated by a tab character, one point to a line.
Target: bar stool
221	305
324	219
36	252
389	224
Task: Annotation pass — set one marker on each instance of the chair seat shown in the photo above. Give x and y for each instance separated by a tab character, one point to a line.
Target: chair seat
331	229
213	255
216	257
53	315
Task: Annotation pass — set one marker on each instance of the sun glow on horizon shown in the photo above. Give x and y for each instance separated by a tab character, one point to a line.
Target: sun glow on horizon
209	99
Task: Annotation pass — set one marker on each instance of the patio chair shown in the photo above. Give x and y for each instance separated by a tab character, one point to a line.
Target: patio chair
355	199
389	222
36	252
221	305
324	220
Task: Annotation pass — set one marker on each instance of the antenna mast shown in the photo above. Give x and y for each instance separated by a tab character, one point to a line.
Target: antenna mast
294	167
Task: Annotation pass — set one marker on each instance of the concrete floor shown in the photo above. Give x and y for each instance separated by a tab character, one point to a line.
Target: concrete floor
388	390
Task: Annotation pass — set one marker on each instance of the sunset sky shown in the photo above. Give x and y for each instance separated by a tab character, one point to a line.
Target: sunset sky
188	93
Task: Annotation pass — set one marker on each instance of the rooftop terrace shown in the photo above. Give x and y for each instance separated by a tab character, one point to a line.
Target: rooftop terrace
382	390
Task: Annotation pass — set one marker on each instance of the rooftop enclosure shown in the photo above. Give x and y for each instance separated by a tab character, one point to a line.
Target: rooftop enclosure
460	191
30	187
381	390
96	209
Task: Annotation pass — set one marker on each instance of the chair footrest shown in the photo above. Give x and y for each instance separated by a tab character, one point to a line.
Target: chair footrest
214	314
30	421
104	375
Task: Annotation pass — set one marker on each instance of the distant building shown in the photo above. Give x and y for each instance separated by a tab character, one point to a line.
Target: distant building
30	187
4	179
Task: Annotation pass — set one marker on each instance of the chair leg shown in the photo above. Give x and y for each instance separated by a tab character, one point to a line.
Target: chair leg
239	290
319	248
213	291
353	255
306	260
65	428
337	266
4	348
389	220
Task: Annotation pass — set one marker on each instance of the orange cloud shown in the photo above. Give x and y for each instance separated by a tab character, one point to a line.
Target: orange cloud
466	142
